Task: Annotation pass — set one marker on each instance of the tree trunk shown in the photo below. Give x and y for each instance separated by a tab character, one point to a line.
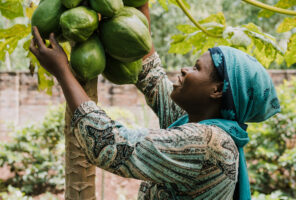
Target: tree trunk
80	175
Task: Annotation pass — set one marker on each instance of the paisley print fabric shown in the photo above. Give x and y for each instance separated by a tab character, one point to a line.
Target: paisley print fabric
188	162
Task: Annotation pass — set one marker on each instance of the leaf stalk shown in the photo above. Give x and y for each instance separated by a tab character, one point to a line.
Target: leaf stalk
186	12
271	8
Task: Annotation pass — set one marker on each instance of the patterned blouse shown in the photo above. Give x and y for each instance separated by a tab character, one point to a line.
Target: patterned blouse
192	161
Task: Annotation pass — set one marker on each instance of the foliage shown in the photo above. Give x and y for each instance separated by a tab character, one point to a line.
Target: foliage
16	194
240	32
271	152
35	155
165	25
248	38
277	195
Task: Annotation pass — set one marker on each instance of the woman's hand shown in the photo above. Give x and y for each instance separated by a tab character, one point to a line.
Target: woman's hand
53	59
145	10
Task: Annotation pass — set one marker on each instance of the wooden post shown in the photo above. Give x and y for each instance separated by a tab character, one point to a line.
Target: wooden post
80	175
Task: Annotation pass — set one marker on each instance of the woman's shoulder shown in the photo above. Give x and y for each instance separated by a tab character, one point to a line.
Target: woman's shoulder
221	149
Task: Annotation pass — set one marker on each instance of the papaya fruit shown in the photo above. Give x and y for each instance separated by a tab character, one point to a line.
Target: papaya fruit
134	3
88	59
107	8
135	11
71	3
125	36
47	16
122	73
79	23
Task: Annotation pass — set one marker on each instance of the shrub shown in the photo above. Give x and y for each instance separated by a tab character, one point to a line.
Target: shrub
271	152
35	155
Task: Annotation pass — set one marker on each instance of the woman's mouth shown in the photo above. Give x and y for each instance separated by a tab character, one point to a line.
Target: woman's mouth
179	82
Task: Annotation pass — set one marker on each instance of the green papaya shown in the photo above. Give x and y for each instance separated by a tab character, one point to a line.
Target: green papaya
135	11
107	8
88	59
79	23
125	36
47	16
134	3
122	73
71	3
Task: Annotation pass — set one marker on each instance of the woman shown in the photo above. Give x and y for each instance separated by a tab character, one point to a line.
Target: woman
197	153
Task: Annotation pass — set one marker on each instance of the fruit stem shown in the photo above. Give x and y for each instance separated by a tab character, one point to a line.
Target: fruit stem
186	12
271	8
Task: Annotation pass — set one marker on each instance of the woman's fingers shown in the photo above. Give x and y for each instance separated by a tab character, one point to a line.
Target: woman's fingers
33	48
38	38
53	41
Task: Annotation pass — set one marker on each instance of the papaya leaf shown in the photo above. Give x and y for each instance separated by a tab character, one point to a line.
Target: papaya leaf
218	18
45	81
279	59
9	46
30	10
280	4
237	37
164	4
186	28
67	48
33	60
290	55
180	45
11	8
252	27
9	38
264	45
18	30
288	24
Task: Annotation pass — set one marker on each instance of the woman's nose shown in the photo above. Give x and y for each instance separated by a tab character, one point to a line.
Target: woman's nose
184	71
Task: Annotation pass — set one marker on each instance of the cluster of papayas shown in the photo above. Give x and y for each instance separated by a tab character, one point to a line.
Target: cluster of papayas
110	36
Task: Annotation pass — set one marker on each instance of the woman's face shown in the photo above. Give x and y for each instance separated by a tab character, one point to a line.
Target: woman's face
195	87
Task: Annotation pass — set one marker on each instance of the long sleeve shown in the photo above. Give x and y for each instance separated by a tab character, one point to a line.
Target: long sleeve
181	155
155	85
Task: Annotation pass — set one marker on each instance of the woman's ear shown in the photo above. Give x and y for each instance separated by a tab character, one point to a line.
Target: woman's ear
217	91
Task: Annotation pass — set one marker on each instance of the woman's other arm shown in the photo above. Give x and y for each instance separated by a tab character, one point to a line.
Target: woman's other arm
155	85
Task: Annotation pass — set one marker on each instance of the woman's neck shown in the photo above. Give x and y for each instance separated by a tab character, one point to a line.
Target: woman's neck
211	113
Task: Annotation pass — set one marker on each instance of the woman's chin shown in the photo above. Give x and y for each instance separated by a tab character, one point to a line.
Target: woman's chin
176	93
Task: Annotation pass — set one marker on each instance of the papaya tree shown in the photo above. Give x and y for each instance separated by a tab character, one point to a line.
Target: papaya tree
195	38
80	175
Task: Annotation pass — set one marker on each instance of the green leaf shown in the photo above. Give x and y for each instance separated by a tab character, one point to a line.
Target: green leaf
218	18
18	30
186	28
254	28
290	56
288	24
163	4
180	47
9	46
11	8
10	38
237	37
280	4
30	10
45	81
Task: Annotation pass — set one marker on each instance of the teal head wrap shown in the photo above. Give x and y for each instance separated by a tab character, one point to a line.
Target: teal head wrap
248	96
